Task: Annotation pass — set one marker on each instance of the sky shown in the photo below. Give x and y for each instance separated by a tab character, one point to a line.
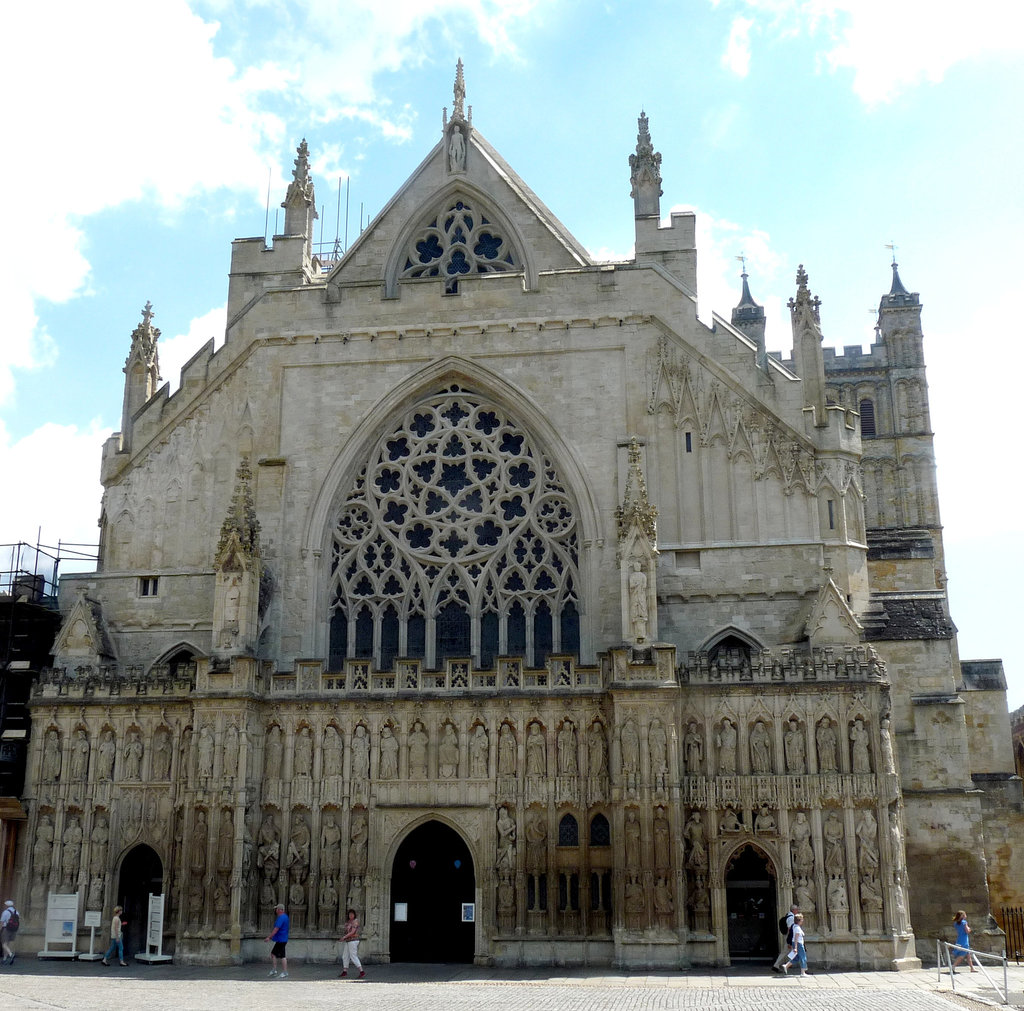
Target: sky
142	139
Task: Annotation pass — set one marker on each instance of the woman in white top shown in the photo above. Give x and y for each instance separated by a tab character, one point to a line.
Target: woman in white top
797	953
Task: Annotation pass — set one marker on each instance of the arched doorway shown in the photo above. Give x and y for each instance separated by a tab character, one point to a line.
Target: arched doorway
431	878
750	906
141	873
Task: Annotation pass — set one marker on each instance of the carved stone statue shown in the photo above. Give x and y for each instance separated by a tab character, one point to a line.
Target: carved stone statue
838	902
230	751
95	898
448	753
80	757
332	751
478	747
360	755
796	764
888	757
835	851
663	904
133	751
765	820
658	745
297	857
206	745
330	845
536	755
161	755
597	750
730	823
760	749
71	851
197	851
726	743
357	847
304	752
861	755
457	150
870	894
693	833
630	743
568	762
638	603
418	752
867	842
506	840
42	851
388	753
693	750
536	842
825	736
268	849
99	840
803	895
662	849
632	831
274	754
506	751
800	845
107	755
51	757
226	842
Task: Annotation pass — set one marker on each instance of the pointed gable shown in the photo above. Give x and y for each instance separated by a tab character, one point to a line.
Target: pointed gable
82	639
830	619
464	211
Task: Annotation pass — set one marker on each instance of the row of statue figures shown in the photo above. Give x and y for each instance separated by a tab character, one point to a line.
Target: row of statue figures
729	747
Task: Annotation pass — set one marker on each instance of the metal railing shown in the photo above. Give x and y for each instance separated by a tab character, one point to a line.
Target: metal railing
1012	922
946	954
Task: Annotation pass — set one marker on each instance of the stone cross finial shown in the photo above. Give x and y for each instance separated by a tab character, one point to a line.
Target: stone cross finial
636	510
803	300
645	172
147	313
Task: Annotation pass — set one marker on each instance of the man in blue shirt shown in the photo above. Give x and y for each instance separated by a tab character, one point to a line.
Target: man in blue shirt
279	935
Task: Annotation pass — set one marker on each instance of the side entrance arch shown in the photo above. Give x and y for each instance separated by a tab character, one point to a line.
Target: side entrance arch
142	872
431	878
750	900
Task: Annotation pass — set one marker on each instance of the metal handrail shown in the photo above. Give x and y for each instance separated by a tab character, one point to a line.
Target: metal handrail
945	947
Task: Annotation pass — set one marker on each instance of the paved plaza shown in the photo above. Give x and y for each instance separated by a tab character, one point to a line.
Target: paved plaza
80	986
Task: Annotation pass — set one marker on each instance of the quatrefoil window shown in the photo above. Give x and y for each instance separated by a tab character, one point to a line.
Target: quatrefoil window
459	241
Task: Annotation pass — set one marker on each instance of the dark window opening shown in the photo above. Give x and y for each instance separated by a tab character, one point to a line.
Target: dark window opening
339	640
568	892
600	831
867	419
453	631
488	639
689	442
831	514
731	651
568	831
516	630
571	629
542	634
149	586
416	636
364	633
388	638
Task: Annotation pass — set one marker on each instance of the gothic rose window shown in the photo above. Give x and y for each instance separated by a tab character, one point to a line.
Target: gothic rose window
458	539
459	240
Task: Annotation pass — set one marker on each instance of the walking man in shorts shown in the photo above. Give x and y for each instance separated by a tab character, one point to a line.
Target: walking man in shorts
279	935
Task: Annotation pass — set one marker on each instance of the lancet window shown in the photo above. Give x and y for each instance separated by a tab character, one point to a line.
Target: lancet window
459	240
458	539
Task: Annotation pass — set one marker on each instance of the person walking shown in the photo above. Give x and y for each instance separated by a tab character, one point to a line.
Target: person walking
797	953
963	941
116	938
350	946
279	935
9	924
788	924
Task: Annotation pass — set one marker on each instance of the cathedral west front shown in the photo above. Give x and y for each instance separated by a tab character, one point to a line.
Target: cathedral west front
480	587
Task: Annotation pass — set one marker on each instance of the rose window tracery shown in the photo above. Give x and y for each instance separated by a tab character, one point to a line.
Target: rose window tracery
457	538
460	240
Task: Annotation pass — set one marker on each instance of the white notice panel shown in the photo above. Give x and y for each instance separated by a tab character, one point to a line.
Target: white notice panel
61	926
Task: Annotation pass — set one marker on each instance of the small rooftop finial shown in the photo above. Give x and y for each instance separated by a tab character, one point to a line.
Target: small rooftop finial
803	300
147	313
645	172
891	246
458	109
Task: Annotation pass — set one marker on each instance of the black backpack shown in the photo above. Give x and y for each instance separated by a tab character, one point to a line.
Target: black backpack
783	927
14	921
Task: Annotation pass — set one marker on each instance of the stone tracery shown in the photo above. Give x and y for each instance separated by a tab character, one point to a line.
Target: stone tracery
458	524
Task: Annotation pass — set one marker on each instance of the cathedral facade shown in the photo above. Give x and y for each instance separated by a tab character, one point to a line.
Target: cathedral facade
482	588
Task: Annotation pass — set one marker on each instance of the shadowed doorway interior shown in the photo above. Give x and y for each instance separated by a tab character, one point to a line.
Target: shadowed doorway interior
141	873
431	879
750	906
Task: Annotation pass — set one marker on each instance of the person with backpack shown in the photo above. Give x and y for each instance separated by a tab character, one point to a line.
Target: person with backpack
9	924
797	953
786	929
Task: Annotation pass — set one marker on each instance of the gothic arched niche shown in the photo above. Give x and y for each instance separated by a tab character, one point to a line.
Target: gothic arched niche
459	535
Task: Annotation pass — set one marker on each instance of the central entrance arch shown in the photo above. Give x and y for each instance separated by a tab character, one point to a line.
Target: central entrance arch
142	873
751	906
431	877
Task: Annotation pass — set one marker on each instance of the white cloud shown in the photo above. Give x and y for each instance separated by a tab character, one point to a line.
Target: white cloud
175	351
52	484
736	57
889	47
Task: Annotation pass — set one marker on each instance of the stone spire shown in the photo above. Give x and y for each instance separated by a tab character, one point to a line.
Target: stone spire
142	372
457	131
636	513
459	97
807	337
300	201
749	318
645	173
240	529
898	296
